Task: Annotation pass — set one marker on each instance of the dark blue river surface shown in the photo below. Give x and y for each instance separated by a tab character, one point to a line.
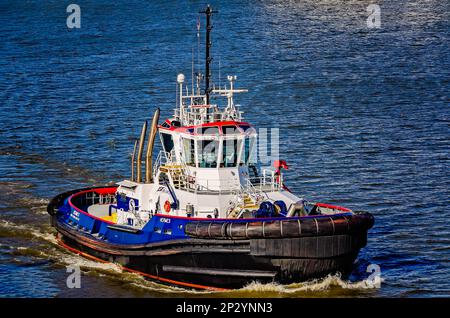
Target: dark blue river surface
363	115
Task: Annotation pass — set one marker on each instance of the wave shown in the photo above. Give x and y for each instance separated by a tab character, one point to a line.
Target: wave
19	190
315	285
62	257
11	229
330	283
64	169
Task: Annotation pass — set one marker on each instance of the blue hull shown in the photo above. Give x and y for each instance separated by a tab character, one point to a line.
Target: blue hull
217	253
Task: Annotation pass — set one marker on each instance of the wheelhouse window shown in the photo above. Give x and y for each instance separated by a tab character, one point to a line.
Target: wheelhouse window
207	153
244	127
189	151
229	130
247	151
230	150
167	142
211	130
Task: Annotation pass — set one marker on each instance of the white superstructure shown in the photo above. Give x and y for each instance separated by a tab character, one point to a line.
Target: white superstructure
205	169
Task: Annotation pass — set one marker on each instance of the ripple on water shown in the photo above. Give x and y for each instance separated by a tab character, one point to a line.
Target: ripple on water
363	115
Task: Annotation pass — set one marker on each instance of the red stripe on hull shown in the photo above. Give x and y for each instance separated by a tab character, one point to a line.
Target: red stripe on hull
162	279
109	190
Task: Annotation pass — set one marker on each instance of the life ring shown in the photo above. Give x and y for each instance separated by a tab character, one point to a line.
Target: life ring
167	206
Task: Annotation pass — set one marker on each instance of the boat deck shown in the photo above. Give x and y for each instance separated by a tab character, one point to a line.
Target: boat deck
102	211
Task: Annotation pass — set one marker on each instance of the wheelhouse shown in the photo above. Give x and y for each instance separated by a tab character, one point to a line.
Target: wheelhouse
220	145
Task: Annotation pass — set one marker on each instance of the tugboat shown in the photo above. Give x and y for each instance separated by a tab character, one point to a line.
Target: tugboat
204	215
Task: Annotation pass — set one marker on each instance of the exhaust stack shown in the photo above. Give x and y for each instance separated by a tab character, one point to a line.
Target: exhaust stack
151	143
141	150
133	159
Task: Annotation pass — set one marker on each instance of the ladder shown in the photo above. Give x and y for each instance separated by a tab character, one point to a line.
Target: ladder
180	177
250	203
247	198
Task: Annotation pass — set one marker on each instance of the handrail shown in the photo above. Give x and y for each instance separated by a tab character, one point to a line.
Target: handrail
162	158
174	197
85	192
195	116
183	179
246	189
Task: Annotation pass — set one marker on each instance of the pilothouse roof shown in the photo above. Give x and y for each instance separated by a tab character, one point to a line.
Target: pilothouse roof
222	128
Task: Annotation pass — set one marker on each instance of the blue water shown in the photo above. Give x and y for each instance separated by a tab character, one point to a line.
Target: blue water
363	115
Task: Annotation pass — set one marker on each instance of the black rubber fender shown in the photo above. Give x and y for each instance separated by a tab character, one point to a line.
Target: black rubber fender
296	227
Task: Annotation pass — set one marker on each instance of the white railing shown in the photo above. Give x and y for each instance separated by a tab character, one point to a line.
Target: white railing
163	158
268	181
200	115
183	179
257	195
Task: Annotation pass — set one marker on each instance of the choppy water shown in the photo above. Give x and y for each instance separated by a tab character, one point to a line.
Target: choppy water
363	115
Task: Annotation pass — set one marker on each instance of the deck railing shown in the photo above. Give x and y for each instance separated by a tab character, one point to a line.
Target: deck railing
184	180
197	115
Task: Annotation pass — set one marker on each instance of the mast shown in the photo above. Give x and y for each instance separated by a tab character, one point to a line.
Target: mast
208	12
